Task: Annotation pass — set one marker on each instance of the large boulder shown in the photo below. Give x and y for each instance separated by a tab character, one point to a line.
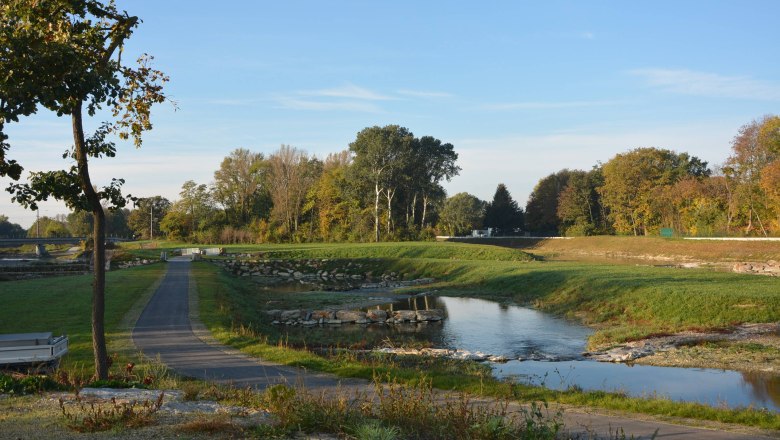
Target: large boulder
292	315
350	315
323	314
405	315
430	315
377	315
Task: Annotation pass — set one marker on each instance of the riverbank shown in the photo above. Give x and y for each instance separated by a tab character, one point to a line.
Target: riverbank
750	348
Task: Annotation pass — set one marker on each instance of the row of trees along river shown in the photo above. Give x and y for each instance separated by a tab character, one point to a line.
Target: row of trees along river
388	186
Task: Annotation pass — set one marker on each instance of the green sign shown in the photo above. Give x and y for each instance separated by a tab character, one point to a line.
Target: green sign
667	232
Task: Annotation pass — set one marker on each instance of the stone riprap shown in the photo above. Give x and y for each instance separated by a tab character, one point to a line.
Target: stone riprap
445	353
133	263
770	268
347	275
338	317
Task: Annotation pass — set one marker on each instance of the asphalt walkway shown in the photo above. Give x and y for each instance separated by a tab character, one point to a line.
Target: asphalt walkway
165	330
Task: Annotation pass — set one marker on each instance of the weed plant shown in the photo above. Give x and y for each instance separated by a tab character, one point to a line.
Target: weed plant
399	411
83	416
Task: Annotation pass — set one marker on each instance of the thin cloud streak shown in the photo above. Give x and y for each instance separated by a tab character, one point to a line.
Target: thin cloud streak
352	106
540	105
424	94
349	91
689	82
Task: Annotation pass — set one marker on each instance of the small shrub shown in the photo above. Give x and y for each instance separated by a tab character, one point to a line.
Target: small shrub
218	424
21	384
95	417
373	430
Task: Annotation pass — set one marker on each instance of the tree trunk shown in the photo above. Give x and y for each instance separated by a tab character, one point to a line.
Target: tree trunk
99	249
378	191
414	208
424	212
390	194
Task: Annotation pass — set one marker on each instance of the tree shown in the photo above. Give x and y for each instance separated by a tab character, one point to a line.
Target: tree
48	227
291	174
80	223
503	213
144	221
461	214
541	211
579	206
240	186
63	55
756	145
338	211
10	230
631	178
770	183
433	161
380	153
196	201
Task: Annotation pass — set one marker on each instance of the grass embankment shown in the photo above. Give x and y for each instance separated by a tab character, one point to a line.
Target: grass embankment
63	305
654	249
622	302
558	287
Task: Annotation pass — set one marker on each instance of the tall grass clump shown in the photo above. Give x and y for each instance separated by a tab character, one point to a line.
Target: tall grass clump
404	412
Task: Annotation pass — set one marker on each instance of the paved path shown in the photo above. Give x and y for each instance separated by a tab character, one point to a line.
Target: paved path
164	329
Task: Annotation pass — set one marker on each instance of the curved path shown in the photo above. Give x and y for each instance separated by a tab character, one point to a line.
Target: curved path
164	329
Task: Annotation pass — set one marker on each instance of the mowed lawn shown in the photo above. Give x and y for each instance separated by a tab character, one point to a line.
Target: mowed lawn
63	305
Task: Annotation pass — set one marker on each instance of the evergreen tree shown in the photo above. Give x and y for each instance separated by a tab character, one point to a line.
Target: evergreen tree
503	213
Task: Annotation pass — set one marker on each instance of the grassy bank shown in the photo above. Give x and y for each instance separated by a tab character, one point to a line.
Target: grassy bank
63	305
656	249
622	302
223	298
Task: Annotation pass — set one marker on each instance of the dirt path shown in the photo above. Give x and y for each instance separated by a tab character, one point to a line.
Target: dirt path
165	330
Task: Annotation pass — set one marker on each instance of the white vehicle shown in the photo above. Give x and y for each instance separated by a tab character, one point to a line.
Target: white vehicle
36	350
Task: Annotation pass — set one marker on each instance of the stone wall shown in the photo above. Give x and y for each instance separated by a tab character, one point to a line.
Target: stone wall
349	274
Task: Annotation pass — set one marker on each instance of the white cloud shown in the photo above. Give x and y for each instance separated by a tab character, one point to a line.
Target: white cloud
541	105
305	104
349	91
690	82
424	93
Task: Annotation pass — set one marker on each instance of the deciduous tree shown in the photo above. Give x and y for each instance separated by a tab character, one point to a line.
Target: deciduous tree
380	153
462	213
240	186
631	178
62	55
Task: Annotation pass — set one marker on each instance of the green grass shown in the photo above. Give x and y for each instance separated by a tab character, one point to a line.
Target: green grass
222	297
63	305
623	302
428	250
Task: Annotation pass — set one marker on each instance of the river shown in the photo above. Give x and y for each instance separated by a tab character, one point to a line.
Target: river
551	351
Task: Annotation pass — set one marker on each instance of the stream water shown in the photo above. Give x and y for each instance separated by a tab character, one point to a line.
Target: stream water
551	352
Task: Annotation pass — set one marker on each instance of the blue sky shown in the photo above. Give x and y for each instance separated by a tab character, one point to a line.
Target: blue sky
521	89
